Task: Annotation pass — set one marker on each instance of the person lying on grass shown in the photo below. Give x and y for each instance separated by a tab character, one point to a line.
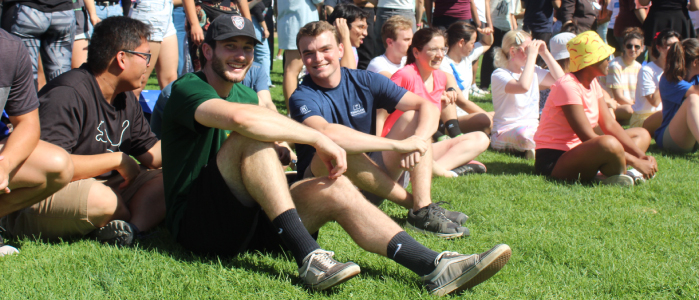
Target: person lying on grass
92	113
623	74
567	146
341	103
422	76
226	192
30	169
516	85
679	131
647	110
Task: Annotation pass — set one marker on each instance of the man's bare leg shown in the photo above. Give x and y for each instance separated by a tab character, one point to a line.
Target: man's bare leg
147	206
368	176
47	170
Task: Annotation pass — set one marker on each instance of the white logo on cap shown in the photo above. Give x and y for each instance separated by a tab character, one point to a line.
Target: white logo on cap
238	21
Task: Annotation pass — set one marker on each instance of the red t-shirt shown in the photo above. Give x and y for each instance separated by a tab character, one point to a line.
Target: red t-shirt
409	78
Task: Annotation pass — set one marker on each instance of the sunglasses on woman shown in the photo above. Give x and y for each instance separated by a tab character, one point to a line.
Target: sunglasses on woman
632	46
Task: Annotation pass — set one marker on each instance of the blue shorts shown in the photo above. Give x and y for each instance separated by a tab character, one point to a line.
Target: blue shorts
157	14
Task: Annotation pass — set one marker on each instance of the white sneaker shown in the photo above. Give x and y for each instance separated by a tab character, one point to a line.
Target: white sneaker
636	175
476	89
6	249
530	154
279	57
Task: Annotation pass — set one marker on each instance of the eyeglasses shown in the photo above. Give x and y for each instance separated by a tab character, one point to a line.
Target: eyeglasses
433	51
632	46
145	56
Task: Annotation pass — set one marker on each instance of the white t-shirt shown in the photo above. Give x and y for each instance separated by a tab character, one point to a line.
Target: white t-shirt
614	7
463	70
500	11
513	110
648	79
381	63
480	6
397	4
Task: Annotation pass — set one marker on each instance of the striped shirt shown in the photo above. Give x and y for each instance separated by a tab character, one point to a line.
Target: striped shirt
623	77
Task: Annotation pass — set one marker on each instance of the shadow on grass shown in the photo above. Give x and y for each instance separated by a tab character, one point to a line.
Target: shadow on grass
655	151
513	168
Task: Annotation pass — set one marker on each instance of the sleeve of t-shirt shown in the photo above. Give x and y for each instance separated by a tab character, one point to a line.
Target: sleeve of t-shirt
614	76
646	82
499	79
60	115
476	52
142	138
568	93
257	12
374	65
261	82
22	98
303	104
540	73
185	98
386	93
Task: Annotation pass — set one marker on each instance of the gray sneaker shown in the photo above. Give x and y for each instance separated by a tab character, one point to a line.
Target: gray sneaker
431	219
455	216
6	249
117	232
320	271
456	272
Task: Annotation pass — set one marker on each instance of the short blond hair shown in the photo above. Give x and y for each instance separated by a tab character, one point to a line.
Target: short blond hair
513	38
392	26
314	29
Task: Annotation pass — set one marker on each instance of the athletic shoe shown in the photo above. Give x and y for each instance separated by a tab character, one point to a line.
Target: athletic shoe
6	249
279	57
636	175
456	272
622	180
455	216
320	271
117	232
443	138
474	93
431	219
530	154
478	90
471	167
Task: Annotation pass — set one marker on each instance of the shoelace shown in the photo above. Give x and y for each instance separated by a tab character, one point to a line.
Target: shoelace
444	253
324	258
438	211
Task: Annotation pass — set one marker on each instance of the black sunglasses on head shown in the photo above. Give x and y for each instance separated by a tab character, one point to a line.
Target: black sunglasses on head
631	46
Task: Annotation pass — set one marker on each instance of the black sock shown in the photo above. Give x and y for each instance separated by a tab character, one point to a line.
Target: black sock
405	250
439	133
296	238
452	127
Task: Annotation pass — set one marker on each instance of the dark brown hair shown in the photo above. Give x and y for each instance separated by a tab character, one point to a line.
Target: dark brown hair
660	39
420	39
460	31
680	58
112	35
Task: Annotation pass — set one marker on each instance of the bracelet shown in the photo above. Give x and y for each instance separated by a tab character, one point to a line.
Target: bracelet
451	89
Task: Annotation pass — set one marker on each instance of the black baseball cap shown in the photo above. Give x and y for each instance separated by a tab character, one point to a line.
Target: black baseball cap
228	26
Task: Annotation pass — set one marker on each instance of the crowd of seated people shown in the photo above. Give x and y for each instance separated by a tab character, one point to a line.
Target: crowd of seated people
83	159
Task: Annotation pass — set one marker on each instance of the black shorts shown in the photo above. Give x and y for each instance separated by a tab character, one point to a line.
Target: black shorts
215	222
546	160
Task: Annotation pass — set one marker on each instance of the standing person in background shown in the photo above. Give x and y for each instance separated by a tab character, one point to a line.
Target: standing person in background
47	29
163	40
411	9
669	14
262	32
647	110
580	12
269	20
483	10
447	12
291	16
82	34
369	47
603	20
503	17
613	6
179	19
538	20
631	14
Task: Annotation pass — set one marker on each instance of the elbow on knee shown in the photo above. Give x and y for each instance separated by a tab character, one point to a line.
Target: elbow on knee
60	167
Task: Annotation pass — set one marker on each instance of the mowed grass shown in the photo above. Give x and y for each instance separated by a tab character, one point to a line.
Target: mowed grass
569	240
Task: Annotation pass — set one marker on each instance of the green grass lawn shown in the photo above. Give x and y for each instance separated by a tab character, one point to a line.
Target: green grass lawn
569	240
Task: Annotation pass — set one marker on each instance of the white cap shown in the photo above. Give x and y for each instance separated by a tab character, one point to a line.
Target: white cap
558	45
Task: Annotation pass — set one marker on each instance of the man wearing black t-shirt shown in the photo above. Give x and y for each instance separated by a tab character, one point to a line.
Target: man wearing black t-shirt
30	169
92	113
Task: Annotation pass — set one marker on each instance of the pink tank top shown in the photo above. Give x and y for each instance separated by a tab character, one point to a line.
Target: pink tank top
409	78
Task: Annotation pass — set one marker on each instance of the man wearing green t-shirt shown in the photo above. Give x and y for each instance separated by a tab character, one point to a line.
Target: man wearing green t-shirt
226	192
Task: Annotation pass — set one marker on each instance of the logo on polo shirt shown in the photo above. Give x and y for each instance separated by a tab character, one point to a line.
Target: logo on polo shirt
357	110
305	110
238	21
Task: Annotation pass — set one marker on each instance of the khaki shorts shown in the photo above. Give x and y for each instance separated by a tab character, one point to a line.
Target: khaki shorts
64	214
638	119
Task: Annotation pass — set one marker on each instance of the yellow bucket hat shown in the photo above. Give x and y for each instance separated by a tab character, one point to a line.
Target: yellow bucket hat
587	49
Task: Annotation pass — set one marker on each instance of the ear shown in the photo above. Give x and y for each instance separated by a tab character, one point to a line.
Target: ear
120	60
389	41
207	50
415	51
341	48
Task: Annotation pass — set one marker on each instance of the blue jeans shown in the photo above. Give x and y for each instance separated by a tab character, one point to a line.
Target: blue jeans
179	19
51	34
602	30
262	50
104	12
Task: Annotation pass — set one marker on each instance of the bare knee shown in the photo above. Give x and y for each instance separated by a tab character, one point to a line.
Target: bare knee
103	206
482	140
609	144
58	167
237	145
